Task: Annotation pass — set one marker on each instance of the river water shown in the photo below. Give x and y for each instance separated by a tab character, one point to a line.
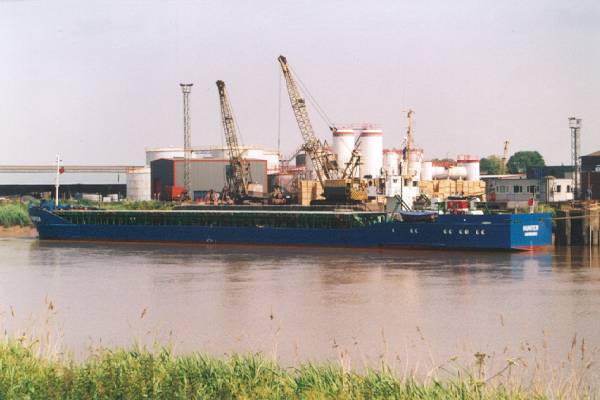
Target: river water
412	308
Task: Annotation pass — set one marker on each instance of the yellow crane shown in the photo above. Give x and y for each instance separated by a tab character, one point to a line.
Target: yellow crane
338	186
323	160
239	186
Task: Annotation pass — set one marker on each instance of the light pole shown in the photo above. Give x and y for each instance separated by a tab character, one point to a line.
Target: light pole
186	88
57	181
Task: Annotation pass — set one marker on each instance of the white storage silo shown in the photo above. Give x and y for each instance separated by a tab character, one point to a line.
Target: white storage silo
458	172
416	157
138	184
371	149
343	144
471	165
427	171
391	161
439	172
472	170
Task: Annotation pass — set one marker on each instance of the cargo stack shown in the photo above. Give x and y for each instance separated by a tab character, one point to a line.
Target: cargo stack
308	191
446	187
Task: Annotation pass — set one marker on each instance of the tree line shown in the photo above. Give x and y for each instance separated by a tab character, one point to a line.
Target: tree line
517	163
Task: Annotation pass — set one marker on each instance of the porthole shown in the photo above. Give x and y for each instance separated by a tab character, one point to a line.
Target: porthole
466	231
450	231
460	231
416	230
483	231
445	231
477	231
410	230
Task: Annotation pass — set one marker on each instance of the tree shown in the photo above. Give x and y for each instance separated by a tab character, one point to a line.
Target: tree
490	165
521	160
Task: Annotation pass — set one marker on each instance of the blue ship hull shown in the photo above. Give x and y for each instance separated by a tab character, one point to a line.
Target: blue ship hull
493	232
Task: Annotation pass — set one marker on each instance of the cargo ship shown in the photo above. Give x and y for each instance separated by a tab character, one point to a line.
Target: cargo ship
297	225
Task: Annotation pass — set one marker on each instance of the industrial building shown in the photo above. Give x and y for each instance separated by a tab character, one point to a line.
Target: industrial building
167	176
40	180
510	192
590	176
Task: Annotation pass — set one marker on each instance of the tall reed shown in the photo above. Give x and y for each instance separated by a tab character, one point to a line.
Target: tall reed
139	374
14	214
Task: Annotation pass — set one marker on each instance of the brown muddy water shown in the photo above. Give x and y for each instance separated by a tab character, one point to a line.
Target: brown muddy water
413	308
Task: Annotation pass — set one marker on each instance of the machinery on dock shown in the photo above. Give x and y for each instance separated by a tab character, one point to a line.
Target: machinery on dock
239	187
339	185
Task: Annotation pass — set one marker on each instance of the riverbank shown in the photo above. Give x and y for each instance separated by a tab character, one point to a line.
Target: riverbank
18	231
138	373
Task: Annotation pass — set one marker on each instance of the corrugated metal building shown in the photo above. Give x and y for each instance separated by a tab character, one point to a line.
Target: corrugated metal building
591	162
206	174
590	176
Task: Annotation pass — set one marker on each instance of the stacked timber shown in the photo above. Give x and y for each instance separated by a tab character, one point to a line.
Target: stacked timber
309	190
448	187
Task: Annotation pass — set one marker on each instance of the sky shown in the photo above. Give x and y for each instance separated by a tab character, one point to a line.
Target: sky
98	81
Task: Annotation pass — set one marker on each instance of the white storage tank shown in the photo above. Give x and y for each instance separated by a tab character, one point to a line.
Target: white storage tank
391	161
371	149
138	184
471	164
458	172
427	171
439	172
472	170
343	144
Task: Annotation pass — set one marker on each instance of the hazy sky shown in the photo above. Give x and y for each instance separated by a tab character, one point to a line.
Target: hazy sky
98	81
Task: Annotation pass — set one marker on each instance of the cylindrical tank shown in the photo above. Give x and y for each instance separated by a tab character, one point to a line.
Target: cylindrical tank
343	144
439	172
138	184
472	170
371	149
458	172
426	171
391	161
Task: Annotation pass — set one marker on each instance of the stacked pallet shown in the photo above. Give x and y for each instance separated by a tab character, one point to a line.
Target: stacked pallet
447	187
309	190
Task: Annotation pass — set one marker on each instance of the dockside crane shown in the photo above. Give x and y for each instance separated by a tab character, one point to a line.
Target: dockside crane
338	185
407	173
324	161
238	178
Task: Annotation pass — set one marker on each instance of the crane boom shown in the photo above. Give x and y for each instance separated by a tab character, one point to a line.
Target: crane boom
239	176
324	162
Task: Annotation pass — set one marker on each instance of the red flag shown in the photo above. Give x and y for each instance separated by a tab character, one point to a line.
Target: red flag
61	170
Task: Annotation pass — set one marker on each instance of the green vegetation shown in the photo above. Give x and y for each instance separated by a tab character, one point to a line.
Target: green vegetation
491	165
14	214
141	374
519	161
137	205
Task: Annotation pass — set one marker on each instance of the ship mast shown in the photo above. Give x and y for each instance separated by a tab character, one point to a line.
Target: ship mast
407	149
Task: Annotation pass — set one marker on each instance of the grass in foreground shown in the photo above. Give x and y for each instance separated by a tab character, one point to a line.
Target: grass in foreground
141	374
14	214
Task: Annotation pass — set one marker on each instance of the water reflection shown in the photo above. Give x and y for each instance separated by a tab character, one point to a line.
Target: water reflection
305	303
